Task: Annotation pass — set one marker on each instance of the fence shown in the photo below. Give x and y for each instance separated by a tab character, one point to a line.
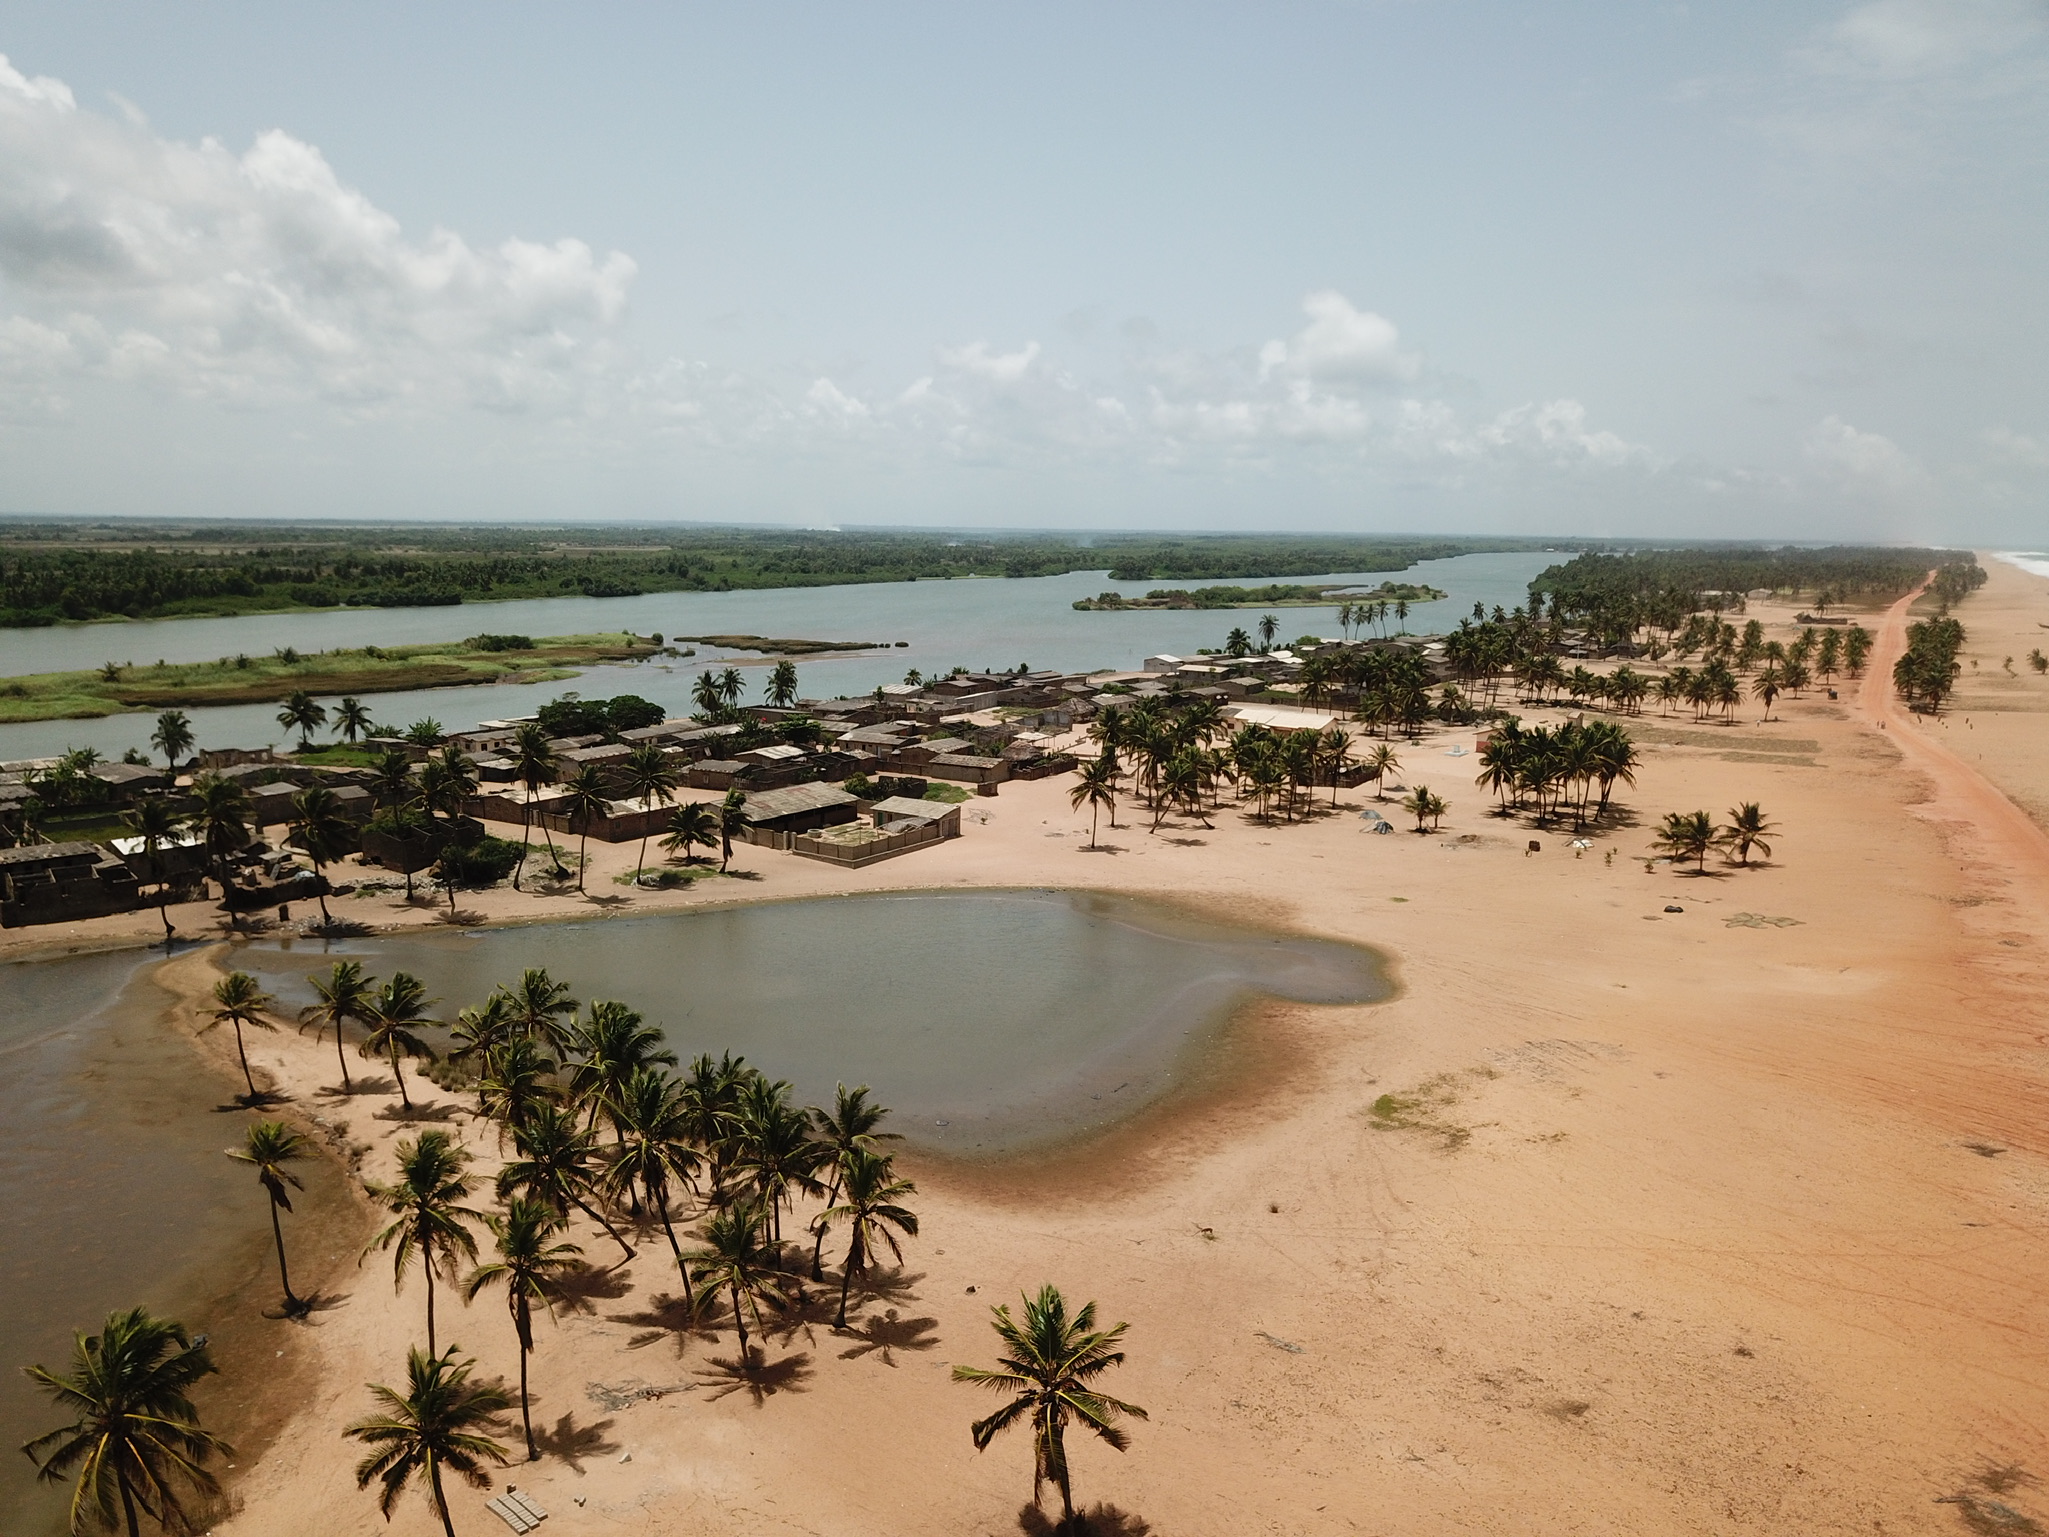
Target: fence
868	850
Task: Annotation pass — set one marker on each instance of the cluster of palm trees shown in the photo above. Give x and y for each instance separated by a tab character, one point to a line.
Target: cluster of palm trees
717	694
1693	835
1180	758
1557	769
302	713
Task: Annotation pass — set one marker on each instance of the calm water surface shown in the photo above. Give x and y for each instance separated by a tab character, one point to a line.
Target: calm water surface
990	1021
979	624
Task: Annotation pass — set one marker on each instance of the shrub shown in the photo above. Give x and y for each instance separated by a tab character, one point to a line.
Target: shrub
501	642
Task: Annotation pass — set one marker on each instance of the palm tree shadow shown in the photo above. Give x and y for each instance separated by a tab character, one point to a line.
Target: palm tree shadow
892	1286
1098	1520
606	900
573	1442
665	1317
1187	843
883	1337
262	1099
588	1284
462	918
1101	848
357	1086
762	1379
316	1302
743	875
432	1110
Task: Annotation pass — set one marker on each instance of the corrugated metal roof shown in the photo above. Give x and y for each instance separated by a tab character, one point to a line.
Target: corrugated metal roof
771	804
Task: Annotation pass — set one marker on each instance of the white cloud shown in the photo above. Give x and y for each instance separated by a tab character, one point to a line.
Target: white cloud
1861	462
192	269
1902	39
1341	342
997	368
830	399
2017	448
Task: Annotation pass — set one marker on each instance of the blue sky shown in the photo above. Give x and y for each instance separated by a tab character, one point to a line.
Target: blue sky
1604	269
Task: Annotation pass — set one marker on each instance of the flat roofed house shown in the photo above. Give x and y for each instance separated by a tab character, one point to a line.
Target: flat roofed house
60	882
1280	717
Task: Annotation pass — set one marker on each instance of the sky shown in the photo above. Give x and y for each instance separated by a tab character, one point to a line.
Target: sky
1743	270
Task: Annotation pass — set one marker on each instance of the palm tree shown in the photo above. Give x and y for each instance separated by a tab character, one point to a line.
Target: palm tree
649	777
157	823
584	797
710	699
731	687
303	715
221	813
344	993
1766	686
539	1007
393	1014
528	1265
1333	752
782	684
1380	763
351	719
869	1207
436	1423
1096	787
240	1001
848	1127
693	824
732	819
1422	805
428	1217
447	783
394	784
1049	1362
1687	835
1237	643
270	1146
134	1436
774	1148
173	737
555	1161
654	1153
737	1259
1269	627
320	827
614	1044
533	765
1748	829
519	1079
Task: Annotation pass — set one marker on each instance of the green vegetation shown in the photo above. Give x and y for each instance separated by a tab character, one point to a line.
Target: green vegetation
765	643
1928	669
287	674
1273	596
1693	835
598	717
53	572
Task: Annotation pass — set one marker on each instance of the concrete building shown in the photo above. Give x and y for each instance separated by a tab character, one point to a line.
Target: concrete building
60	882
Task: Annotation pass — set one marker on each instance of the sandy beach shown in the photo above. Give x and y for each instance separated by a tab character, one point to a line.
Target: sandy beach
1725	1219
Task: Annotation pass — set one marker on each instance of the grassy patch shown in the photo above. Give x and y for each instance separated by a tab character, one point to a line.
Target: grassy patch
951	794
1424	1107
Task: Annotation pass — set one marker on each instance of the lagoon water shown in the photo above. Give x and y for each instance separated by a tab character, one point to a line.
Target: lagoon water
991	1021
989	623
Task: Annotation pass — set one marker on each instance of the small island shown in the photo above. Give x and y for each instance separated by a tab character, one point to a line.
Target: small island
767	644
1276	595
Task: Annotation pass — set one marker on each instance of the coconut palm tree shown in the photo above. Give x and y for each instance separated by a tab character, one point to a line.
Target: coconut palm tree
654	1156
393	784
448	780
134	1443
1333	752
732	819
1766	686
555	1160
323	830
1687	835
1096	787
158	824
1237	643
1748	829
1269	627
393	1015
1049	1363
775	1150
1379	764
613	1045
518	1079
302	714
708	697
271	1146
1423	806
429	1223
533	765
848	1127
352	719
738	1260
239	1000
343	994
173	737
529	1268
869	1207
436	1424
220	811
731	686
782	684
694	824
585	798
650	777
539	1007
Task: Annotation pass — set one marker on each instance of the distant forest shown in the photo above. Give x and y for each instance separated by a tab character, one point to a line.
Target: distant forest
51	572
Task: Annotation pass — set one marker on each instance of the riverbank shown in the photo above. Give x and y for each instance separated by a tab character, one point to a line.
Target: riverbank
120	688
1723	1219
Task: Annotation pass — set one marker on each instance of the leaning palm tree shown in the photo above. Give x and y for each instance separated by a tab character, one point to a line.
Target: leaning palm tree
303	715
529	1267
869	1206
323	830
615	1044
556	1161
585	799
343	994
158	824
271	1146
239	1000
650	777
1050	1361
393	1015
1096	787
540	1008
654	1155
437	1423
173	737
429	1221
134	1440
738	1260
848	1127
1748	829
